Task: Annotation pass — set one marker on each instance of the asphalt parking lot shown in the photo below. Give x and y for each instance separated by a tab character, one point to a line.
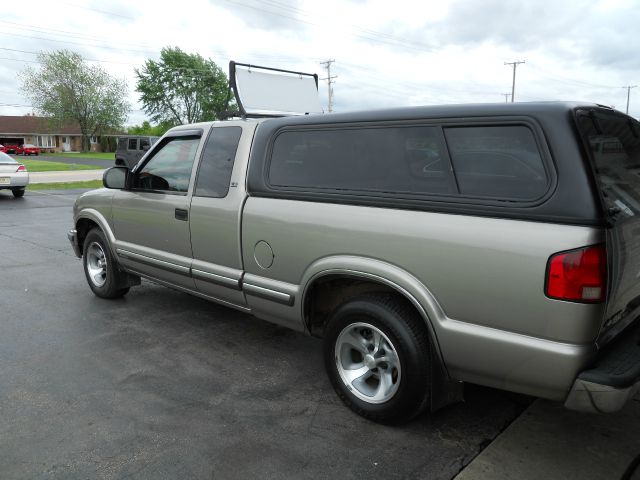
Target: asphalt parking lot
164	385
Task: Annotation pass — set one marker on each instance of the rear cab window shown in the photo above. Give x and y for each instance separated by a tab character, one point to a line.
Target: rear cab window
216	163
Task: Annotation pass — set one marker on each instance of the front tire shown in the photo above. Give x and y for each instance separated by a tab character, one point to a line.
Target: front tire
376	352
100	268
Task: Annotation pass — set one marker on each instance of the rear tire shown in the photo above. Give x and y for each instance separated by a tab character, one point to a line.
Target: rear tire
18	192
100	267
376	352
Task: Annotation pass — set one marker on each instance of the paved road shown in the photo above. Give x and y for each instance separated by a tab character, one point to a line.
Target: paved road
164	385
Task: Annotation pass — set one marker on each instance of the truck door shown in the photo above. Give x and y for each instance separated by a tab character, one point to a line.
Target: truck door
216	209
151	218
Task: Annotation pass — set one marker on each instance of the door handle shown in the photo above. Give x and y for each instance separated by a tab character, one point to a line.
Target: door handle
182	214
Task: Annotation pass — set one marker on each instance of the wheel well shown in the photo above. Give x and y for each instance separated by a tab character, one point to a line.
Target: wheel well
83	227
328	293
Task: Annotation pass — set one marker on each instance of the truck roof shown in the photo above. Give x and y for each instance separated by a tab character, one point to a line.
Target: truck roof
408	113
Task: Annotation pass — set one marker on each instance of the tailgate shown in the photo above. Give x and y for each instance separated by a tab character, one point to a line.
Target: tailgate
613	140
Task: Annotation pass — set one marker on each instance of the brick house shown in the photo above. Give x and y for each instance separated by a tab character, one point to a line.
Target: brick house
40	132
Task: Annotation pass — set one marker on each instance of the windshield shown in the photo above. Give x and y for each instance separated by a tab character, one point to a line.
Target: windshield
4	158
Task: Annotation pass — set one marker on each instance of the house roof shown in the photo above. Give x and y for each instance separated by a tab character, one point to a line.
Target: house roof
31	125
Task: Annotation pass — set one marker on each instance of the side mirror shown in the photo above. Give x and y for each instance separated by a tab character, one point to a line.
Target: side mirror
115	177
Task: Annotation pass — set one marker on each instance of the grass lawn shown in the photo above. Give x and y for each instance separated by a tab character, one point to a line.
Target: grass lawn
92	155
46	166
65	185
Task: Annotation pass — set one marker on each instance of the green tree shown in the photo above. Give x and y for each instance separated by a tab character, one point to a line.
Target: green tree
182	88
145	128
68	89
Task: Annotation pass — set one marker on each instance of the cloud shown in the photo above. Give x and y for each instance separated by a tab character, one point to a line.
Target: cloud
387	54
267	15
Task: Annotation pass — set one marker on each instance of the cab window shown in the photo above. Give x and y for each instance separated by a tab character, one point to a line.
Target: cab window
216	165
169	170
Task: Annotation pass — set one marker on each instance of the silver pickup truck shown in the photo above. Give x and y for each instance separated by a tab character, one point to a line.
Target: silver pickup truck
427	247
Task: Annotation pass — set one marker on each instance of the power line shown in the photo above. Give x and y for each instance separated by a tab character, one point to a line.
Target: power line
513	84
104	12
364	33
567	80
84	44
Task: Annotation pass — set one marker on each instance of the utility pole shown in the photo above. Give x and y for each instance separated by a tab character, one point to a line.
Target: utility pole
629	87
506	97
330	81
513	84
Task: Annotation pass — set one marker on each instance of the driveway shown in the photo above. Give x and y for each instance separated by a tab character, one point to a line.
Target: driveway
165	385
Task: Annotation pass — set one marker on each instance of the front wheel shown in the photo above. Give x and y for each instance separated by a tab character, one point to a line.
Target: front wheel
376	352
100	268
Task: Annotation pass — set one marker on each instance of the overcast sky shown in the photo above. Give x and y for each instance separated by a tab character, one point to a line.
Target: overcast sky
386	53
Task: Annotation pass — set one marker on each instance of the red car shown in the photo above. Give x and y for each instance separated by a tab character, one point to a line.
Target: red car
11	147
27	149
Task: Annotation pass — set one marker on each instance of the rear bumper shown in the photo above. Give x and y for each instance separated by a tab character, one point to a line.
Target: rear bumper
72	235
613	379
16	180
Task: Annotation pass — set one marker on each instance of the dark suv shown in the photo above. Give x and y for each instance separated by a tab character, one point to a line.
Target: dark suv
131	149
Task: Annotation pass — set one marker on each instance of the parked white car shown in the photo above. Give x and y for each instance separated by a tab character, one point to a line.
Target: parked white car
13	175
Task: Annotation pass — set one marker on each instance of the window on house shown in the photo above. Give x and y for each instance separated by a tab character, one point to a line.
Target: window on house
46	141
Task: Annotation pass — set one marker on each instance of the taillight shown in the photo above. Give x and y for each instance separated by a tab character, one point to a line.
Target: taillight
21	168
578	275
